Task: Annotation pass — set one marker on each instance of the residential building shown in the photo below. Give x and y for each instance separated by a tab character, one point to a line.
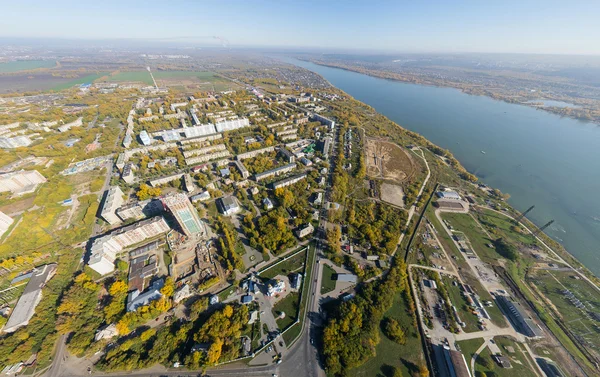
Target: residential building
139	210
274	172
241	168
254	153
164	180
289	156
14	142
306	161
104	250
288	181
112	201
317	198
174	106
120	164
325	121
76	123
5	223
230	125
305	230
30	298
267	203
170	135
323	146
21	182
182	293
185	214
127	174
213	299
137	299
200	130
228	205
145	138
246	299
207	157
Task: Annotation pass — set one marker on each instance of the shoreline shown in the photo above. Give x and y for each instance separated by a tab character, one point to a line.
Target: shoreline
381	75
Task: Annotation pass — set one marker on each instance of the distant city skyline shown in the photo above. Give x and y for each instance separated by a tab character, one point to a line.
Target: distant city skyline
535	26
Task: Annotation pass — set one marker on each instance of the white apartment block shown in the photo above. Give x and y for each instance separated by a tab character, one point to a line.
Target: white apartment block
14	142
5	222
113	200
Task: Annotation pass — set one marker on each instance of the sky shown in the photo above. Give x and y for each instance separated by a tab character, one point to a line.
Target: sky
525	26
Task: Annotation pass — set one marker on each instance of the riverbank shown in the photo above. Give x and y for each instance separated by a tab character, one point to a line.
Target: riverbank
579	111
538	158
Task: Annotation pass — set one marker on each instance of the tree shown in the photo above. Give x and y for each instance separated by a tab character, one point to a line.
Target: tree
394	331
146	192
506	249
334	236
169	288
397	372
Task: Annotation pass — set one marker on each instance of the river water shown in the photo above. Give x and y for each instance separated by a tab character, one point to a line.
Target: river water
538	158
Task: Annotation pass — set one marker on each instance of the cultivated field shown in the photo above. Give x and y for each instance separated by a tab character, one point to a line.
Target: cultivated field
388	161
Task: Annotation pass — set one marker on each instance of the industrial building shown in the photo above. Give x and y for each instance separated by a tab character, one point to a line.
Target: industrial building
185	214
104	250
30	298
450	363
21	182
448	195
288	181
112	201
14	142
274	172
518	318
5	223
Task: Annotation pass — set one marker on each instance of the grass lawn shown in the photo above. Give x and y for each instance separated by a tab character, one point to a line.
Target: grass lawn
225	293
327	283
469	347
292	334
388	354
500	225
520	360
461	305
289	265
478	239
288	305
78	81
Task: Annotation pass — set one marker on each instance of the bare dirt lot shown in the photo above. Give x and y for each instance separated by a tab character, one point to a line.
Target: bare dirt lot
392	194
388	161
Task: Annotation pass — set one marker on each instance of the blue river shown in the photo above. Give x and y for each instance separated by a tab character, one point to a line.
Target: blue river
538	158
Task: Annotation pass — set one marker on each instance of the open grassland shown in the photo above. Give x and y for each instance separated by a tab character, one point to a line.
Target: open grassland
88	79
288	266
390	354
479	241
501	226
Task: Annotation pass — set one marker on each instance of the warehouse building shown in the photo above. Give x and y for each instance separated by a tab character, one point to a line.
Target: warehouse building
30	298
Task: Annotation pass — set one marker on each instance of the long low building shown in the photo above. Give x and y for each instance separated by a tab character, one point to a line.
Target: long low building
207	157
30	298
21	182
274	172
288	181
230	125
5	222
104	250
518	317
164	180
243	156
203	151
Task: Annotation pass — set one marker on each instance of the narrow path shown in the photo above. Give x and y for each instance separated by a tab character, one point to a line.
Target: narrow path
413	207
479	350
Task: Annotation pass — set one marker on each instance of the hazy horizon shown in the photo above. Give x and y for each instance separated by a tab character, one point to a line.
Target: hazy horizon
531	27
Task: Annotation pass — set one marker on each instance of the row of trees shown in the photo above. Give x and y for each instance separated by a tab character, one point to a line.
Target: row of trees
227	244
270	232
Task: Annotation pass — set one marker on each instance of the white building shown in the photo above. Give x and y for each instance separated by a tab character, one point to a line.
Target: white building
113	200
145	138
76	123
104	250
14	142
230	125
106	332
5	223
278	286
228	205
21	182
448	195
305	230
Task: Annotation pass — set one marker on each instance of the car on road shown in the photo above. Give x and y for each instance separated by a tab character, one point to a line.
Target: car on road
312	341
